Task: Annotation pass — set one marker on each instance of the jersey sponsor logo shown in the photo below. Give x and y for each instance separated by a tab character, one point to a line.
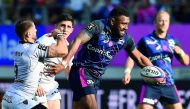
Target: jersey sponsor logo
171	43
90	82
121	41
150	42
42	47
149	101
157	57
90	26
97	50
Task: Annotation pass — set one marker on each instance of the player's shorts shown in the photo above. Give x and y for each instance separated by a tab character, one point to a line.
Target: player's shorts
151	94
53	95
82	82
15	101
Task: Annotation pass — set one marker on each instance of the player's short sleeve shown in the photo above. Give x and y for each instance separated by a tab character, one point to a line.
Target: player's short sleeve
45	40
94	27
141	46
40	50
129	45
177	42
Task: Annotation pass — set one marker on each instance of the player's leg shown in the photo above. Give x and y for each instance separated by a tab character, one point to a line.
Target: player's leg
54	104
145	106
53	98
171	99
42	100
39	106
86	102
149	96
84	87
174	106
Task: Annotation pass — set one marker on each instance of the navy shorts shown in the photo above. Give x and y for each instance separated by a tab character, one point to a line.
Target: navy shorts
82	82
151	94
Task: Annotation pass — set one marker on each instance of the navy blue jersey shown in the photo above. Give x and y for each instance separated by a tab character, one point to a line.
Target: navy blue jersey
98	52
160	52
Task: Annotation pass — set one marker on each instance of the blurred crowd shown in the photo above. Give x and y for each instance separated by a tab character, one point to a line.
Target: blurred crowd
84	11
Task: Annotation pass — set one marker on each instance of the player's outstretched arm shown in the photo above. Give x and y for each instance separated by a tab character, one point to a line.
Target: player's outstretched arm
181	55
128	67
81	38
140	59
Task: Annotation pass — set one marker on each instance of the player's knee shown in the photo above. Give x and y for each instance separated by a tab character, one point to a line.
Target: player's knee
39	106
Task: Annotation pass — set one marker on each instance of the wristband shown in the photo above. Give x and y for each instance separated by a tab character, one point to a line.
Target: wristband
64	63
127	70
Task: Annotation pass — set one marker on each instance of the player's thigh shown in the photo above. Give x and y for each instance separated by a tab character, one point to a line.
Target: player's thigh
53	99
145	106
86	102
174	106
54	104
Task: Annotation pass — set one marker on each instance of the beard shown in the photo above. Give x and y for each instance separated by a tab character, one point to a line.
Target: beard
117	34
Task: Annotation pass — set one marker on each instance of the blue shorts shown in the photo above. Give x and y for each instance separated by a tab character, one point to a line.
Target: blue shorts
82	82
151	94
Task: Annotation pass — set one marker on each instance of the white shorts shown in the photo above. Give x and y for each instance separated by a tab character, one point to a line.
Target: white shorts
15	101
52	94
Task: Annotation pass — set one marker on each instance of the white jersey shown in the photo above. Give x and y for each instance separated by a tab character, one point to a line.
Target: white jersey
27	70
46	40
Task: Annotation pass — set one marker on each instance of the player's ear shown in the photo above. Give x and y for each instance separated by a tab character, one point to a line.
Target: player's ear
27	34
112	21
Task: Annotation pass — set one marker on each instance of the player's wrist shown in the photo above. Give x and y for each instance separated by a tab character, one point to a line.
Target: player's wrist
127	71
64	63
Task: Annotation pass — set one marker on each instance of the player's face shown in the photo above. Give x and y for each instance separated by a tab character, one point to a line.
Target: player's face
66	27
162	22
32	32
121	25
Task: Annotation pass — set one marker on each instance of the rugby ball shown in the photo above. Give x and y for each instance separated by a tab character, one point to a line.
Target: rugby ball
153	74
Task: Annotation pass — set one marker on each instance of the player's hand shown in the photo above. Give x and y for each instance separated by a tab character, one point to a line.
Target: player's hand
40	91
54	69
55	32
162	82
126	78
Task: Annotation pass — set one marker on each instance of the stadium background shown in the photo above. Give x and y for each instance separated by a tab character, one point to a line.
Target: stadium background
113	94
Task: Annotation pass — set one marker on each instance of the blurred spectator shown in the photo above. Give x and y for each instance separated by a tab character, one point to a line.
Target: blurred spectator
84	11
181	11
105	9
145	12
95	6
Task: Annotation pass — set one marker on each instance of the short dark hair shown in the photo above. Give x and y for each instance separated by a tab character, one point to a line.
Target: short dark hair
22	26
65	17
118	11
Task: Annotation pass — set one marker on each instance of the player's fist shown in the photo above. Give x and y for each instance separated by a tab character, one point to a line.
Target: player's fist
126	78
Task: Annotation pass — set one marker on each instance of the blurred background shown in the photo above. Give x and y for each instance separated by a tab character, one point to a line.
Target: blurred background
84	11
142	14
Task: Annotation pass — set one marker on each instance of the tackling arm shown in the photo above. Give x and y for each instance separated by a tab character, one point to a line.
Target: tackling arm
81	38
60	49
